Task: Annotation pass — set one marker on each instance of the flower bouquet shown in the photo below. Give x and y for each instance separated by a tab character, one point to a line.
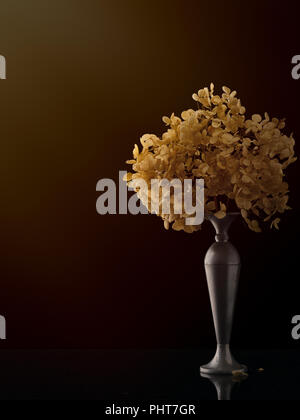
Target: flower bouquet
242	161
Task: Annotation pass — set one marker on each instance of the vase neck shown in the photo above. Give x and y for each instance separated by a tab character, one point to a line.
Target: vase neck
222	226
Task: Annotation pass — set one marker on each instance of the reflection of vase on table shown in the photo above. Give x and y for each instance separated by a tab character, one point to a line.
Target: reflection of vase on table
224	385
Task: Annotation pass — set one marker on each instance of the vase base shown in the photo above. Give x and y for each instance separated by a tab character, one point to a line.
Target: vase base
223	363
222	371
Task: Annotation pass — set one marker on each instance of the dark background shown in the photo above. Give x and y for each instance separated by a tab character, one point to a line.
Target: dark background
85	81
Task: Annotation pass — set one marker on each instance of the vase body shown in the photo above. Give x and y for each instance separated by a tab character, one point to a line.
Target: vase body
222	266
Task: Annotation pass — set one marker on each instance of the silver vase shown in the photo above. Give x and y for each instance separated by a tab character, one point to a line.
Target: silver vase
222	266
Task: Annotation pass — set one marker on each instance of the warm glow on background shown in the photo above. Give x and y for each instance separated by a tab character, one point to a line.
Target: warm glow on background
84	81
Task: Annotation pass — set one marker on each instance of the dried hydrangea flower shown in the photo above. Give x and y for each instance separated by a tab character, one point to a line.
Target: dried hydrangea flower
242	161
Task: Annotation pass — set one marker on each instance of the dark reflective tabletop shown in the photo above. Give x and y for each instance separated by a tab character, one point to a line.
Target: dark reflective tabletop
144	376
